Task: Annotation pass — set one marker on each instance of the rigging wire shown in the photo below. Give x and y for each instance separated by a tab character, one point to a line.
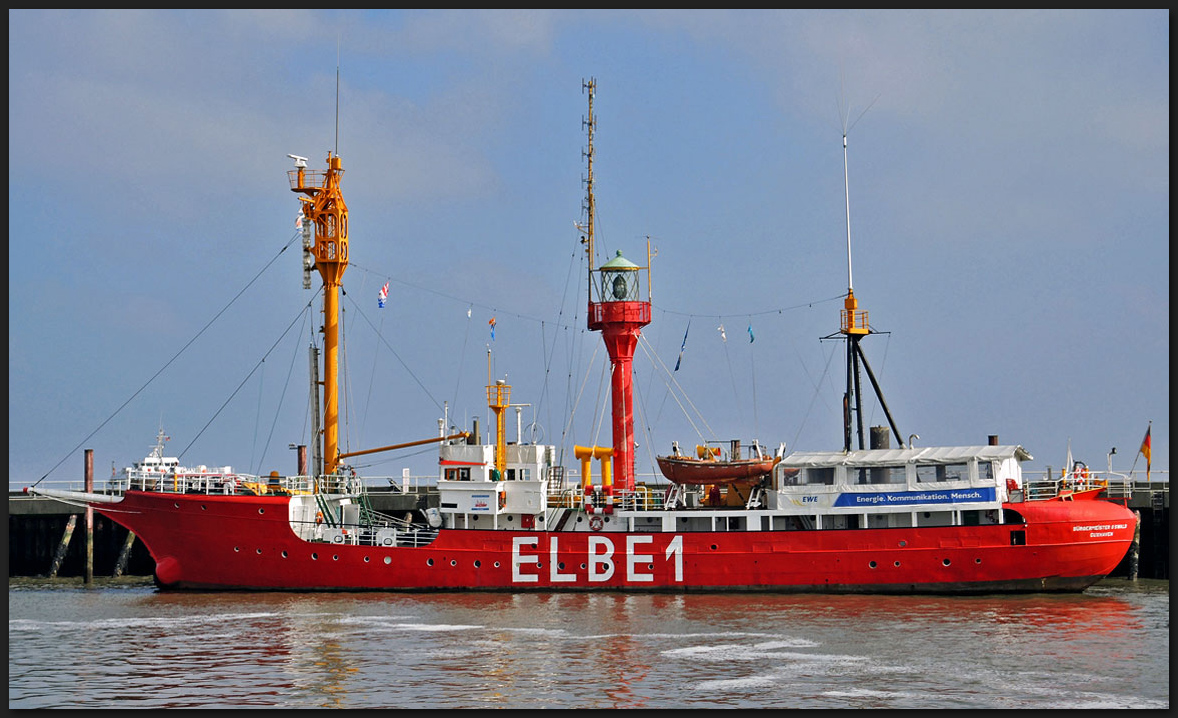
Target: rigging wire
731	373
674	384
462	356
258	413
175	356
371	378
397	356
753	375
306	307
281	397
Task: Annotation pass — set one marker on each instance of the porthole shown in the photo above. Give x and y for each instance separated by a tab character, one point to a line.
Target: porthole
945	562
496	564
871	564
896	564
903	544
259	551
429	562
453	562
204	508
284	554
176	505
714	547
560	565
582	567
335	557
977	560
388	560
261	511
314	557
366	559
478	564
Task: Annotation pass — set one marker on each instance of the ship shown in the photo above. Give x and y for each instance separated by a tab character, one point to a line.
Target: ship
510	517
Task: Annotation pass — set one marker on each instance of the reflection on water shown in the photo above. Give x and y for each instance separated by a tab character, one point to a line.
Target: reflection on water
134	647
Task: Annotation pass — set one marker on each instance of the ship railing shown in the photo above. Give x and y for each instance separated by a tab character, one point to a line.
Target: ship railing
185	483
642	498
567	498
1116	486
386	534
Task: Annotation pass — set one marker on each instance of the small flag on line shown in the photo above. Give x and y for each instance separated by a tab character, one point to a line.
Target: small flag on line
682	346
383	296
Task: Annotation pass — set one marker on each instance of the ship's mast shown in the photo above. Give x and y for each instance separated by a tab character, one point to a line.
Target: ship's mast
854	326
325	210
590	207
617	310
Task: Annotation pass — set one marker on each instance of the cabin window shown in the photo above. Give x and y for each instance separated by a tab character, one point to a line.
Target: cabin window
820	475
525	474
889	475
986	470
929	473
934	518
926	474
794	523
841	522
462	474
956	472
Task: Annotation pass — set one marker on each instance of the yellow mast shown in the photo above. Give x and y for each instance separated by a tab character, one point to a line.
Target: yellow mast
498	399
324	208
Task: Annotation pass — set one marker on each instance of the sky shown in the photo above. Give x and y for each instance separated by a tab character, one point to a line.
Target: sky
1005	181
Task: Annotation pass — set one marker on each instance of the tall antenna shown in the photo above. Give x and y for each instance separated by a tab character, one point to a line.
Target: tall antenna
590	208
337	44
854	326
847	194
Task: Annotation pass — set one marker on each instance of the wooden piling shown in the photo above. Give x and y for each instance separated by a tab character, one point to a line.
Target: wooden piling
124	554
89	469
64	545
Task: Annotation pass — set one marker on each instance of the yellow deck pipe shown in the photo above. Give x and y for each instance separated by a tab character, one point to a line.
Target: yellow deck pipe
604	454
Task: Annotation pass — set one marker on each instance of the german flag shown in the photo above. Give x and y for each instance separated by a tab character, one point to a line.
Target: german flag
1145	450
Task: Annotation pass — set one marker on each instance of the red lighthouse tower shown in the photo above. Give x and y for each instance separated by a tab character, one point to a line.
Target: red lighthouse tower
617	310
620	315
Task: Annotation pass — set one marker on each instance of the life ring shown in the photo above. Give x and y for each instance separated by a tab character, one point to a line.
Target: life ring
318	517
595	523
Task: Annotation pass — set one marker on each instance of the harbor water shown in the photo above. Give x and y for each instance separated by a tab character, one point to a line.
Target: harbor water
123	644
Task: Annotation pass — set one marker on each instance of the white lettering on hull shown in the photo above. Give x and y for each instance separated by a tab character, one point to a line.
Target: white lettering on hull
600	565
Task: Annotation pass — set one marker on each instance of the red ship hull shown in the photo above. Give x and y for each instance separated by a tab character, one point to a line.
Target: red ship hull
246	543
